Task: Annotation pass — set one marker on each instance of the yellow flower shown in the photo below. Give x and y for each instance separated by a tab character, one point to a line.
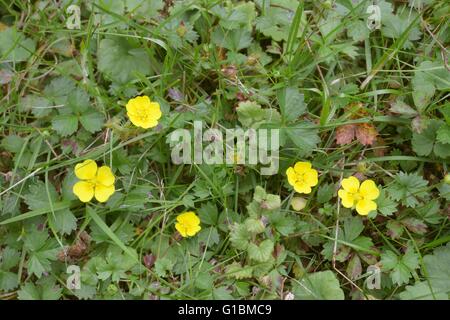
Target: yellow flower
302	177
360	196
98	182
188	224
143	113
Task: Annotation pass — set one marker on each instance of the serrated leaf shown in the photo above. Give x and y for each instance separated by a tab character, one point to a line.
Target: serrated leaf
252	115
254	226
385	205
14	46
239	236
13	143
325	192
37	196
291	103
208	214
122	59
234	40
39	106
65	125
92	121
322	285
237	271
236	17
408	188
64	221
46	290
400	268
353	227
304	136
443	134
261	252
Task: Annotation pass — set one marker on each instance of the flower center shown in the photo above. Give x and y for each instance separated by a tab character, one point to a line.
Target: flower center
357	196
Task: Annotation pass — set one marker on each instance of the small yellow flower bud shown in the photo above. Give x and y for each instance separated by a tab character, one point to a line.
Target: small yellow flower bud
447	178
298	203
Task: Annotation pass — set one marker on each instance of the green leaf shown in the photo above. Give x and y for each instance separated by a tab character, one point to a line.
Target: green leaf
353	227
251	114
222	293
8	280
444	191
162	265
236	17
234	40
318	286
438	273
443	134
145	9
39	106
408	188
400	268
304	136
14	46
237	271
325	192
394	229
385	205
430	212
208	214
394	26
13	143
45	289
239	236
422	291
106	230
78	101
64	221
291	103
58	90
9	258
65	125
92	121
261	252
37	197
122	59
41	252
277	18
254	226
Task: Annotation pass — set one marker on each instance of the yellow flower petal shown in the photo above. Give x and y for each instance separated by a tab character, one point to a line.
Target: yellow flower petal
193	230
369	190
83	190
302	188
143	113
86	170
301	167
188	218
364	207
291	175
347	198
311	177
102	193
188	224
181	229
155	111
105	176
350	184
148	123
